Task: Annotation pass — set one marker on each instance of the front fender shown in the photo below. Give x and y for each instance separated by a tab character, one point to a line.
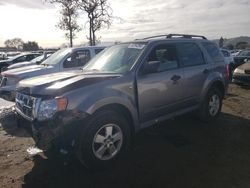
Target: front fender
96	101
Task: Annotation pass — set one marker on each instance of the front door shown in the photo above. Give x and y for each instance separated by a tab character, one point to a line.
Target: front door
161	92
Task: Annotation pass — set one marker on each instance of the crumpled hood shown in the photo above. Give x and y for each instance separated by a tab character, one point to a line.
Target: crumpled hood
28	71
59	83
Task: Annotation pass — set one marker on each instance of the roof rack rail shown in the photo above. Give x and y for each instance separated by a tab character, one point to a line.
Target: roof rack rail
185	36
175	35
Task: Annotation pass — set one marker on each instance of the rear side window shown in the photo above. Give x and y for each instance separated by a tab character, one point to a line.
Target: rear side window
189	54
213	52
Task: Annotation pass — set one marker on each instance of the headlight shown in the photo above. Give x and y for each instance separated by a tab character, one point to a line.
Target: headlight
239	71
48	108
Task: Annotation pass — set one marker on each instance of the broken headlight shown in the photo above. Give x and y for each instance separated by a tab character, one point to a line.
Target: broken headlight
48	108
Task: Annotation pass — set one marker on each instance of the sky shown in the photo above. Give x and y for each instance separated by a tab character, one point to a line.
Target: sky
35	20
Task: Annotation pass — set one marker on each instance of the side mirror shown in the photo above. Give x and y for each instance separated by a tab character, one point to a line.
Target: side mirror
245	60
151	67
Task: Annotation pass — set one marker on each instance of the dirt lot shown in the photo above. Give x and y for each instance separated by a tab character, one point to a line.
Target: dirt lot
182	153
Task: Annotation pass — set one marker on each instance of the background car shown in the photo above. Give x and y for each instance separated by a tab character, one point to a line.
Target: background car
235	52
227	56
16	59
241	75
12	54
35	61
3	55
63	60
241	58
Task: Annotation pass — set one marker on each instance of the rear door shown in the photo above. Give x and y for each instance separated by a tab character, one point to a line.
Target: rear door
161	92
195	68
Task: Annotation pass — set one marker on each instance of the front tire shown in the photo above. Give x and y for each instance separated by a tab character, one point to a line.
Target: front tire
211	106
105	138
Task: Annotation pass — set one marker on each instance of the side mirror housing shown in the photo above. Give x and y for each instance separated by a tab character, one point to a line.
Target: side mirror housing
151	67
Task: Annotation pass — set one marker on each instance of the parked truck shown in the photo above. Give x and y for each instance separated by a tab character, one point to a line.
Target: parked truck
62	60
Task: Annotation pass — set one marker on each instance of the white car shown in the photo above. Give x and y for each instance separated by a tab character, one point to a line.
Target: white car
3	55
62	60
227	56
38	60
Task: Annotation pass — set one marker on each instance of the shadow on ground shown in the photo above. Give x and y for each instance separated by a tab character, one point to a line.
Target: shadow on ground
177	153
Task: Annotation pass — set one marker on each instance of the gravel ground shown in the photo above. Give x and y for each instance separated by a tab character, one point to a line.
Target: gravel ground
183	152
4	103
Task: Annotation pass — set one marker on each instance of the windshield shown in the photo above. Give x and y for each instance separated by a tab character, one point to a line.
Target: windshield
116	59
244	53
56	57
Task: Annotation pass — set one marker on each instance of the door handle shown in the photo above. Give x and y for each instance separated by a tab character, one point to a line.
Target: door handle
205	71
175	78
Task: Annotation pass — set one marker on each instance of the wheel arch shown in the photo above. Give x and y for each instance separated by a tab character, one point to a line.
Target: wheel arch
215	84
123	111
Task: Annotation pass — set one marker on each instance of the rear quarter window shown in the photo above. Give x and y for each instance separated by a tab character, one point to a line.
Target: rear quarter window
97	51
189	54
213	52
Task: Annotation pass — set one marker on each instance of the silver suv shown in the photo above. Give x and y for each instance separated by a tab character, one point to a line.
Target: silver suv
124	89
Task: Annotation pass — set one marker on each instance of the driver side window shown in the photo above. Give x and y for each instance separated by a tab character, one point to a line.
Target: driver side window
77	59
166	55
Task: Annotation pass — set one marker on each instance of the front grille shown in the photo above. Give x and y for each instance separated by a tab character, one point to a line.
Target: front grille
247	71
242	78
26	105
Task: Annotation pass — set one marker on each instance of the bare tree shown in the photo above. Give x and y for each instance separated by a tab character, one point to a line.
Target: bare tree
99	15
68	20
16	43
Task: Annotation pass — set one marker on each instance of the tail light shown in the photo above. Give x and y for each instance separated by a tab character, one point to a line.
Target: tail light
228	72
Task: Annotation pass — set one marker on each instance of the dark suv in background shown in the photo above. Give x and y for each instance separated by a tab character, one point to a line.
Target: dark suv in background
124	89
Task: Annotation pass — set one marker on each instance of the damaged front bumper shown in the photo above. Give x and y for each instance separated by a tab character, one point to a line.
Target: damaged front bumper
60	131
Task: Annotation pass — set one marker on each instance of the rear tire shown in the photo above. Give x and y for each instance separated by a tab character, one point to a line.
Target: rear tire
211	106
105	138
